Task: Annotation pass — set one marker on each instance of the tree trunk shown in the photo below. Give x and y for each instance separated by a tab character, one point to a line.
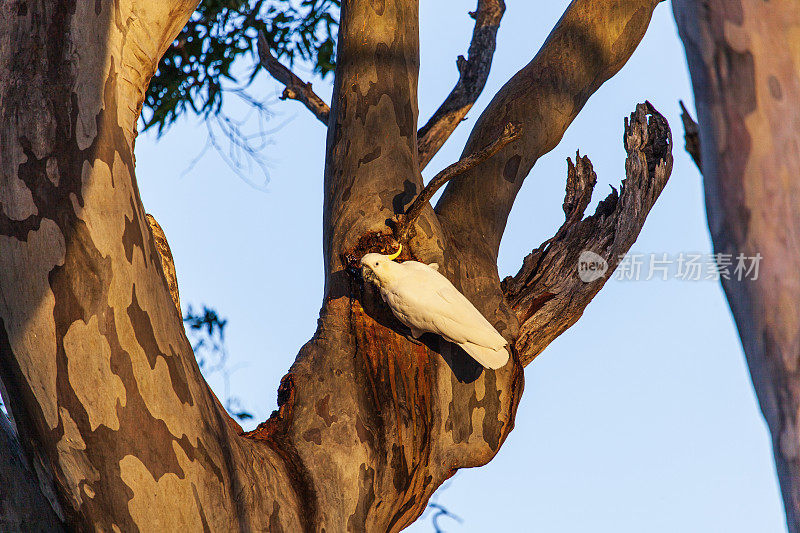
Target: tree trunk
744	59
98	372
22	499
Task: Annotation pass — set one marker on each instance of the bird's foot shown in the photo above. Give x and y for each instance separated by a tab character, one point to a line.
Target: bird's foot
411	338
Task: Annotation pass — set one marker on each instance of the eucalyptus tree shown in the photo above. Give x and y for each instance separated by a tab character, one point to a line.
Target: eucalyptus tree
113	426
744	60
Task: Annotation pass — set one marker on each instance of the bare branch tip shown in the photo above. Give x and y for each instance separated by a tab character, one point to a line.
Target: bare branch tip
261	40
264	53
691	136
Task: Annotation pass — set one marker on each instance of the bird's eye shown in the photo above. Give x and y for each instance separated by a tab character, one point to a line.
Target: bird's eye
376	264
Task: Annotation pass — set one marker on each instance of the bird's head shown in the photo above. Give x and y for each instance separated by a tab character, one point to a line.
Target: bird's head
376	267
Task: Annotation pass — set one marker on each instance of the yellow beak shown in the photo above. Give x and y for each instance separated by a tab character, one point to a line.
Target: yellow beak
397	253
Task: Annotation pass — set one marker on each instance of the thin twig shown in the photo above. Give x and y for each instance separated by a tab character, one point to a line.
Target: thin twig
442	512
296	89
406	221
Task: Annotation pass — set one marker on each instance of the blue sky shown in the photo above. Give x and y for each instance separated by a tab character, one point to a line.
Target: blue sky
641	417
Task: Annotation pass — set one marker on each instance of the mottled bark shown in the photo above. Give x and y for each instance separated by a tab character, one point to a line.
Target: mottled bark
744	59
98	371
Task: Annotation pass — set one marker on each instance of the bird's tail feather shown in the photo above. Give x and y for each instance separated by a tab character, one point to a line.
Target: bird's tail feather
488	357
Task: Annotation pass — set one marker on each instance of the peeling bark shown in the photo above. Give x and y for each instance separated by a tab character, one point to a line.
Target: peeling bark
98	371
744	59
167	263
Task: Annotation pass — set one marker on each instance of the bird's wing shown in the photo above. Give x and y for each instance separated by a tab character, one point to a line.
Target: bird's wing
460	318
488	357
426	300
416	265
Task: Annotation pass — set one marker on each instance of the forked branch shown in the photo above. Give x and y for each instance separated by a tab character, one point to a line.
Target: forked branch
405	222
550	291
473	73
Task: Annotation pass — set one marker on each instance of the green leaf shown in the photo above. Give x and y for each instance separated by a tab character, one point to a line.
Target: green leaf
191	73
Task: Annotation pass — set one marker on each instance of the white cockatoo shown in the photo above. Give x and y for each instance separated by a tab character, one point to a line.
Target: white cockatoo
425	301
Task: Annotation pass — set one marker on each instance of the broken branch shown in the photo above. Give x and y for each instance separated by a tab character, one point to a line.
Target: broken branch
296	89
549	293
473	72
406	221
